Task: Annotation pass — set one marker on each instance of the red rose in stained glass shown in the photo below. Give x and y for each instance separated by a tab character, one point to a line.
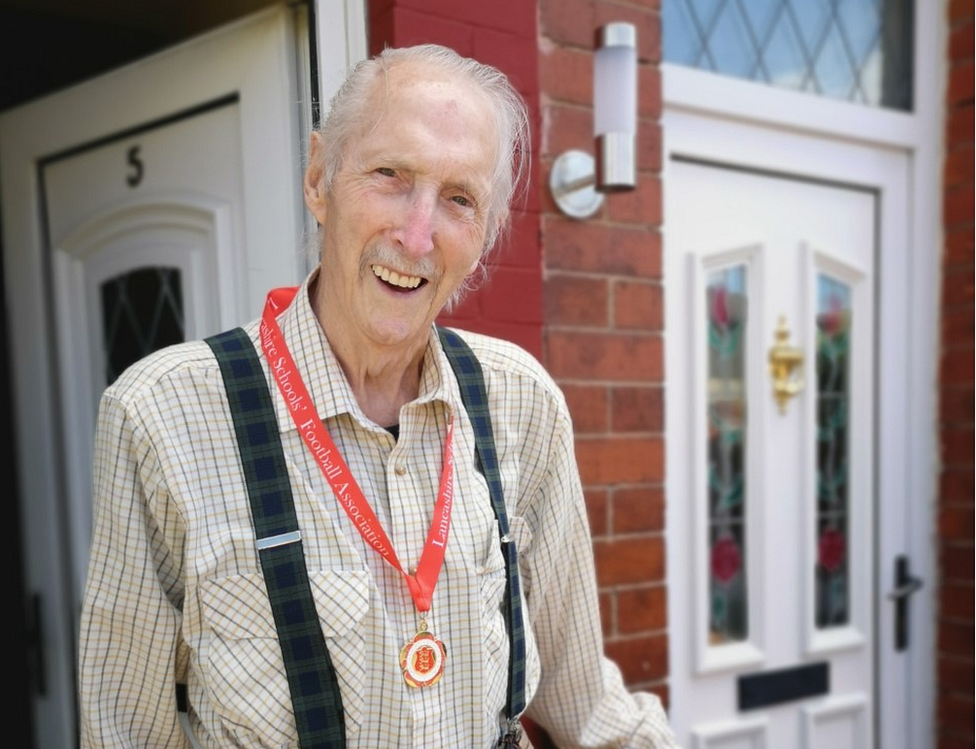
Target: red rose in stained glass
831	549
721	315
726	559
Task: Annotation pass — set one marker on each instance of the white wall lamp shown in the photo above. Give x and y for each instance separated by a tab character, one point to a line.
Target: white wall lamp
575	182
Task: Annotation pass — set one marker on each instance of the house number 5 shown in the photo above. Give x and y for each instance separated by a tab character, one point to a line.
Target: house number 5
134	176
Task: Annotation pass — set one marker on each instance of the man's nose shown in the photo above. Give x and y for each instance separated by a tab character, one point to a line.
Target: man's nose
416	231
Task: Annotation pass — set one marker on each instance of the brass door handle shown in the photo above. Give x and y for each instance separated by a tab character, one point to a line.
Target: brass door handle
785	364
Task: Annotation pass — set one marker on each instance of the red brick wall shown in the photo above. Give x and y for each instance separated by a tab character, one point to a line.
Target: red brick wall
956	619
501	33
603	311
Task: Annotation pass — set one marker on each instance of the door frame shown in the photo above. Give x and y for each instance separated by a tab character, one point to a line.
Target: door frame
273	224
908	147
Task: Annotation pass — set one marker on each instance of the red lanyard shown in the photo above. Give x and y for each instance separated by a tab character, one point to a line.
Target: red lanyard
340	478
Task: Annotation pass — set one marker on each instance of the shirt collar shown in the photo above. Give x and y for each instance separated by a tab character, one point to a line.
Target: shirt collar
323	375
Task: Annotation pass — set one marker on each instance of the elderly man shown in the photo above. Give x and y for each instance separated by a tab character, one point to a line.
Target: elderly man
391	609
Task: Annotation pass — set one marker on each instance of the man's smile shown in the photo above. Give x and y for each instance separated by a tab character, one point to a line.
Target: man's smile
398	280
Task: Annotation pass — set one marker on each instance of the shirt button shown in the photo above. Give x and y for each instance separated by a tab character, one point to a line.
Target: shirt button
401	468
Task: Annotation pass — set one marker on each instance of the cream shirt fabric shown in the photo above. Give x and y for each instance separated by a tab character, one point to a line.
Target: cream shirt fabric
175	590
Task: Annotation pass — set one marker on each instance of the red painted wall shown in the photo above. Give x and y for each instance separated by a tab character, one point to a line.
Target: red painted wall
502	34
956	487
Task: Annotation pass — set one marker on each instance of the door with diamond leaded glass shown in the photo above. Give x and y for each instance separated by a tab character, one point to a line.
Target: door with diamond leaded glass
153	205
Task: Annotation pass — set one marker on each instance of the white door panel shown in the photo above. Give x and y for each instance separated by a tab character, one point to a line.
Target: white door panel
154	204
813	229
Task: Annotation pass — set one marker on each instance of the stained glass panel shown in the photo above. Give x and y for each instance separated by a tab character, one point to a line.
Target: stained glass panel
726	397
858	50
833	452
142	311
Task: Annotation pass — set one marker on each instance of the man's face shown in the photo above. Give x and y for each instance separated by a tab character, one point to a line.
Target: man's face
404	222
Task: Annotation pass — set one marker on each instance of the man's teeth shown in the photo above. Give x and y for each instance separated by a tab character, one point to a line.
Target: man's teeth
394	278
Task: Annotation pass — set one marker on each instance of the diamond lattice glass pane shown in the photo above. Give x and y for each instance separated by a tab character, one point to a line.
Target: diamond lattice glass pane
834	69
142	311
858	50
725	301
833	456
731	47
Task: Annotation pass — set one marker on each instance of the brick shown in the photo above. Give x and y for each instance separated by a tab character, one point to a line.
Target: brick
661	690
958	326
622	561
960	83
959	247
957	205
649	92
956	638
567	22
640	658
959	127
515	295
638	305
639	206
955	676
956	713
956	600
514	16
589	405
566	74
957	285
522	247
960	10
648	27
410	27
526	336
956	367
642	609
637	409
958	167
381	33
957	487
956	563
515	55
605	601
956	523
961	42
620	460
649	146
566	126
576	300
589	246
957	443
957	741
637	509
617	357
956	405
597	510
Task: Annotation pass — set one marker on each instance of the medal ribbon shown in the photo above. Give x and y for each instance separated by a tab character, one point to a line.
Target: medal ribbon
340	478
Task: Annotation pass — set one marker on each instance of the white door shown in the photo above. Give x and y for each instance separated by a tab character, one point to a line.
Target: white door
785	518
155	204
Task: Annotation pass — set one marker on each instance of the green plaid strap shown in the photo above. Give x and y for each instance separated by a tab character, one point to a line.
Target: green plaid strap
311	678
471	382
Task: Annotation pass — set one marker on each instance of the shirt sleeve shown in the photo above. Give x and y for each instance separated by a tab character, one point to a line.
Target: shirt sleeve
131	615
581	700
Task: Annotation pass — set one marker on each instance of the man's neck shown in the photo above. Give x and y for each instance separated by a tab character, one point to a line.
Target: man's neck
382	378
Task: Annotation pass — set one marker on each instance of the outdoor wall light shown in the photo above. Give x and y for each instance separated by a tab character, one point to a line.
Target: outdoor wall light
576	183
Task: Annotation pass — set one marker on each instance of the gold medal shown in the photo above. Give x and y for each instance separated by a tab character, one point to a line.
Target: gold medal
422	659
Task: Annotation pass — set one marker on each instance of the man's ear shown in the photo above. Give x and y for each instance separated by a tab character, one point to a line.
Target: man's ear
314	183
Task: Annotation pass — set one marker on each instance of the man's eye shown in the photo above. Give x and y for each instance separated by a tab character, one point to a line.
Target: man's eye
386	171
462	200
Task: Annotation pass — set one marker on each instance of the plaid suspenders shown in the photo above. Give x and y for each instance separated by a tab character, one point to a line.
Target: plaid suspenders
312	680
471	382
311	677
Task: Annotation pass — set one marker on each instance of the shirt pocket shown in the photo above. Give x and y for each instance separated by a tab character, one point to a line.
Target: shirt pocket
245	672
